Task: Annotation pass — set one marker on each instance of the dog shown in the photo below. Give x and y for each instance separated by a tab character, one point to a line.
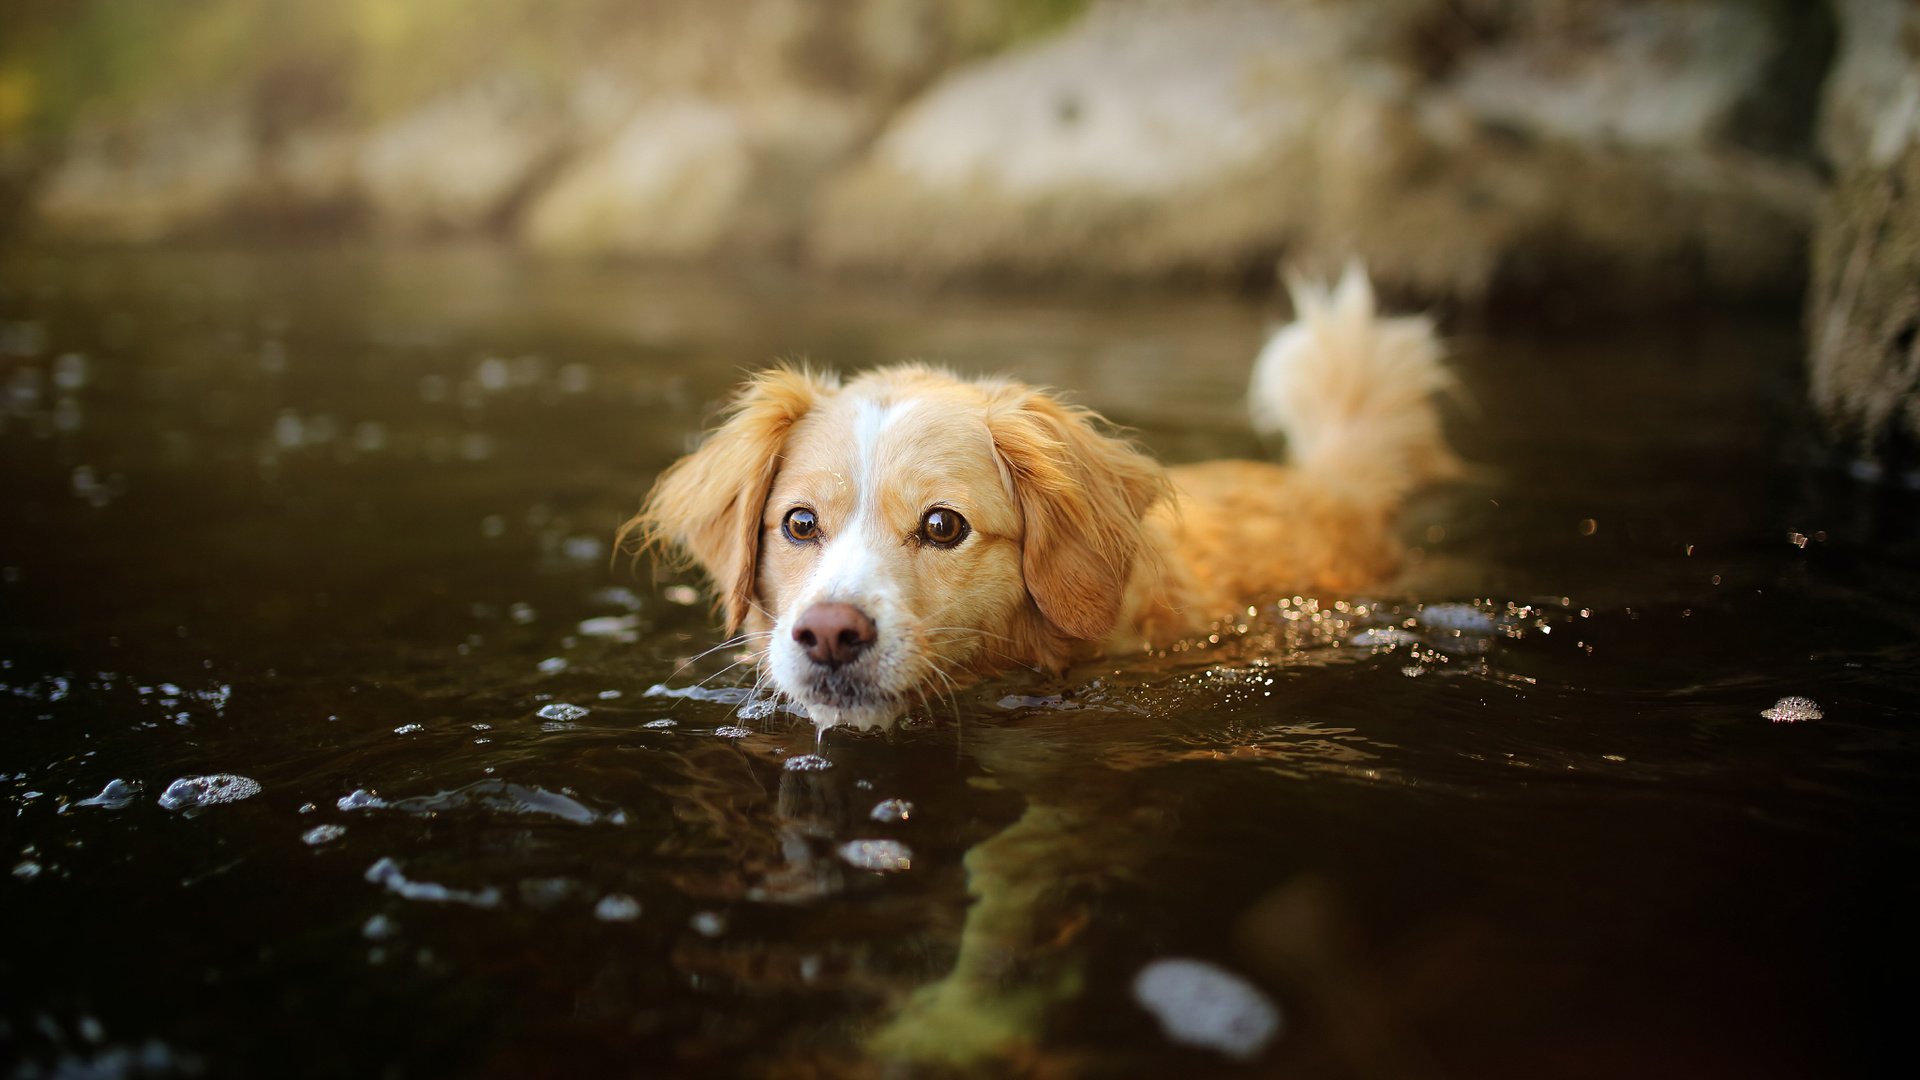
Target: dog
903	532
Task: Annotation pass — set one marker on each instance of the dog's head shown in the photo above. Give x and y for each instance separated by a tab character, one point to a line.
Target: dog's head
894	536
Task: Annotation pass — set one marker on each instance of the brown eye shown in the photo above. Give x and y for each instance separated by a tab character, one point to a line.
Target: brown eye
800	525
942	527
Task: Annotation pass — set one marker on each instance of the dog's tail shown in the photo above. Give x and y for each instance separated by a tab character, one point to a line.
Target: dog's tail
1352	393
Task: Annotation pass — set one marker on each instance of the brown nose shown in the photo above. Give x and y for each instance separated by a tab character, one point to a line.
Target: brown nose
833	634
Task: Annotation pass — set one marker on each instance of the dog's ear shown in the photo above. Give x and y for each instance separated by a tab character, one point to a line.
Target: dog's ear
1083	495
707	505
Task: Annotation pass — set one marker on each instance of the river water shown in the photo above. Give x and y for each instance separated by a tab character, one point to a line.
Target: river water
336	740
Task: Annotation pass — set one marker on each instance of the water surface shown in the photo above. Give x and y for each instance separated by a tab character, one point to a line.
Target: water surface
326	536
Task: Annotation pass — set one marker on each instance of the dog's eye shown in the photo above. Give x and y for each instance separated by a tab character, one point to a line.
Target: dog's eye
942	527
800	525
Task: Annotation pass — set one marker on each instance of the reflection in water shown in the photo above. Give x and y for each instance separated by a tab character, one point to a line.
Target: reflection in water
337	523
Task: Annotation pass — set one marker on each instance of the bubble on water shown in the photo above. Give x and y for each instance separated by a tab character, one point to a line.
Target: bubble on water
731	731
1793	710
1199	1004
560	710
892	810
758	710
66	415
409	729
492	374
378	928
288	430
583	549
609	695
70	371
197	791
360	799
708	923
23	392
476	446
322	834
663	722
553	665
574	378
807	763
621	628
617	907
22	339
386	873
117	794
617	596
369	436
880	856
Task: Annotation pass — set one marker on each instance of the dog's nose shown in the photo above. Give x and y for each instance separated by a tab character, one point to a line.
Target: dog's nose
833	634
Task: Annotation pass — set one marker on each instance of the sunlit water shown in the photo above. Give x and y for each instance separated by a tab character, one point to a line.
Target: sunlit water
336	742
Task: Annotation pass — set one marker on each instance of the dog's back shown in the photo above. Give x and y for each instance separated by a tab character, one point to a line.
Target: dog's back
1351	394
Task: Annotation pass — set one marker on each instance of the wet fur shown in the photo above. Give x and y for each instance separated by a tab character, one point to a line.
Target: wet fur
1082	544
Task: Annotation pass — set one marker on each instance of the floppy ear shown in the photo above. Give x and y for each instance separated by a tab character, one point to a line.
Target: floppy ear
707	505
1082	495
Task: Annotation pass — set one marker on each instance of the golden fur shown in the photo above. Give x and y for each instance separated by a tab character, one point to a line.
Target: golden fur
1080	543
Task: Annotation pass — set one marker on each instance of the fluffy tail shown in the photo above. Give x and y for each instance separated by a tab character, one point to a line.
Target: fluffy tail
1352	393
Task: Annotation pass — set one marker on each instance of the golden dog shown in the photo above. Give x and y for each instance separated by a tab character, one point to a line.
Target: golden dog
909	530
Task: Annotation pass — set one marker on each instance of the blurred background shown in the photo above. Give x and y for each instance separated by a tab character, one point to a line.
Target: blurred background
1592	150
1597	152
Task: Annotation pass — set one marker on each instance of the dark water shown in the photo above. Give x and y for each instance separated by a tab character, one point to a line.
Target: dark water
337	523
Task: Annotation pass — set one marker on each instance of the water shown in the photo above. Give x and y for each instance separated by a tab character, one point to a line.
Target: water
337	523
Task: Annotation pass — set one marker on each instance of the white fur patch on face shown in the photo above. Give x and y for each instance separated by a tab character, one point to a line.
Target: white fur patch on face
856	566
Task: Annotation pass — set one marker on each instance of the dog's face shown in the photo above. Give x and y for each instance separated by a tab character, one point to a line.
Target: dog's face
898	535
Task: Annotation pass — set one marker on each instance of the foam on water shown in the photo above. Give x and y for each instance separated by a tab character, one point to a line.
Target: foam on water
807	763
386	873
1794	710
191	792
117	794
